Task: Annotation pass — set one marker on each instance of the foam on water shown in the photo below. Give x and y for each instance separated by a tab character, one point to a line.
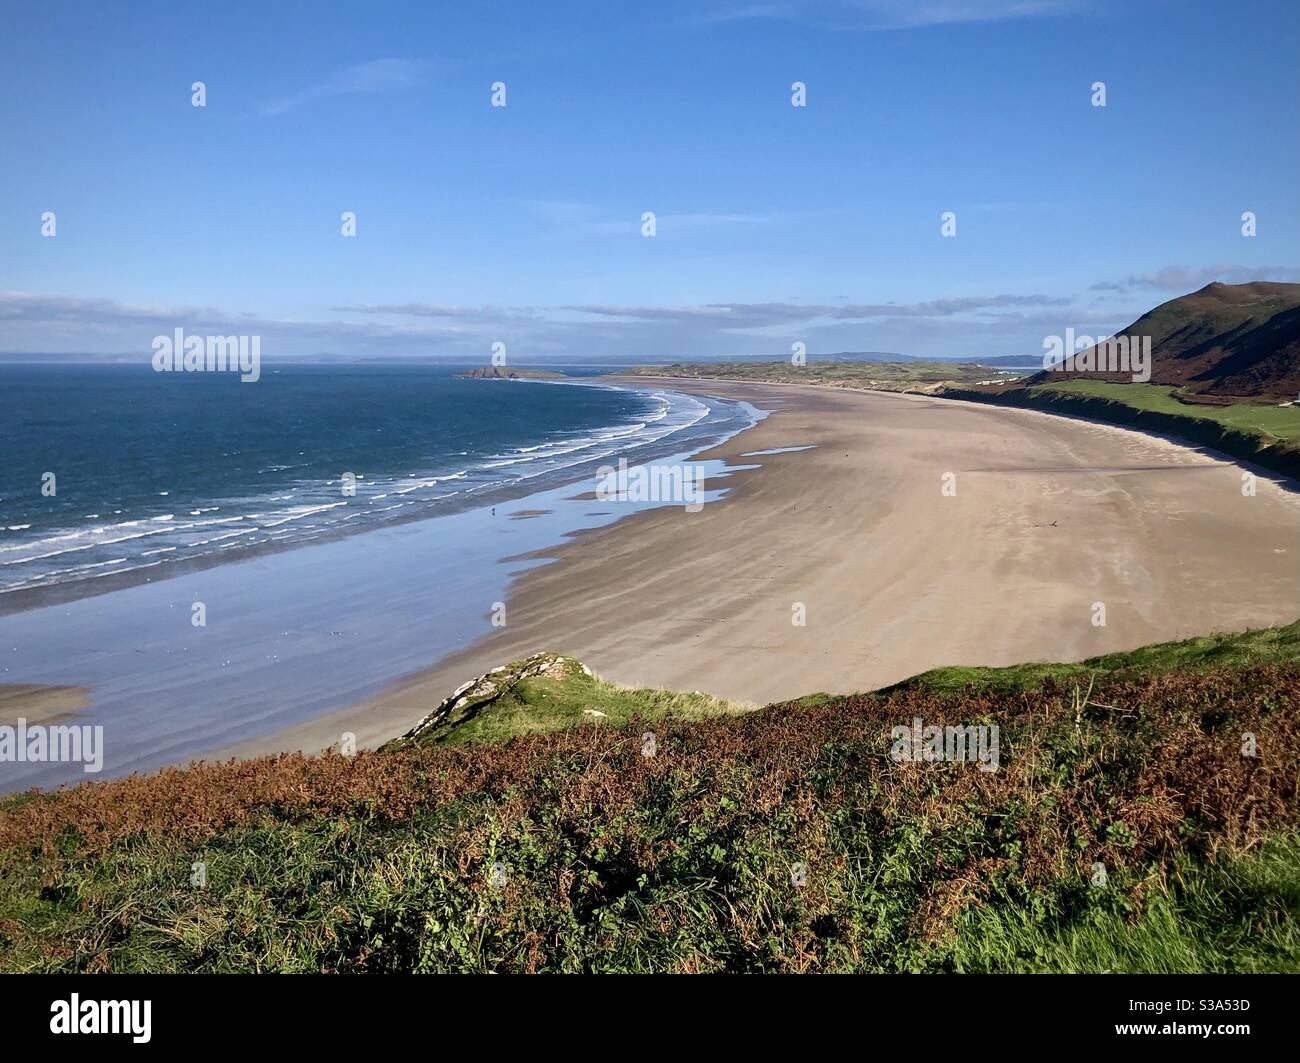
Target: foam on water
285	502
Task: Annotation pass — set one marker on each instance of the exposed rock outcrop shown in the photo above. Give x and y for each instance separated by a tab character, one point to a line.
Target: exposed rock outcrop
470	698
497	372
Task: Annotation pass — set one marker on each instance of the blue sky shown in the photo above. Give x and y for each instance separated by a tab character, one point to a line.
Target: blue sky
522	224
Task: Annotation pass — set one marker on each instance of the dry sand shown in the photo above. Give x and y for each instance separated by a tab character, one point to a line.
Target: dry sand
1050	516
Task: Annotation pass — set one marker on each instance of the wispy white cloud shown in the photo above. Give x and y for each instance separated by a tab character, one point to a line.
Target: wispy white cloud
379	75
113	322
743	13
967	326
446	311
583	219
27	306
914	13
762	315
887	14
1189	278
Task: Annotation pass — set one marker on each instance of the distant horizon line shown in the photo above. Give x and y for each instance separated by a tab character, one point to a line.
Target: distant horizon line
123	358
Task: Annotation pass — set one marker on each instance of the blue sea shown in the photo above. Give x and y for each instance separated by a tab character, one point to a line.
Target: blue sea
151	469
176	491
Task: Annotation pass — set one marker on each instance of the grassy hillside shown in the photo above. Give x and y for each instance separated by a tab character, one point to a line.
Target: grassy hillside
1226	340
1123	829
548	692
1241	650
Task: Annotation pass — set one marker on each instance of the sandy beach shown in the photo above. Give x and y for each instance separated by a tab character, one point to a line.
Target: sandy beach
1051	518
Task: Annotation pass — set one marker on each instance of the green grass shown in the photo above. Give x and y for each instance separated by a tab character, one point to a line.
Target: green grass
1279	645
1280	422
1239	915
542	705
616	861
350	895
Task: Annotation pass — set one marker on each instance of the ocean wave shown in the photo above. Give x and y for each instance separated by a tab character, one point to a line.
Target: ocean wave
307	510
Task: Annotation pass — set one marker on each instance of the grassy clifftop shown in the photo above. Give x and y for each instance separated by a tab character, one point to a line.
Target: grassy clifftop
1143	816
548	692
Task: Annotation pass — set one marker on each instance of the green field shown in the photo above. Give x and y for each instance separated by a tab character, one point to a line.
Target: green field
1281	422
874	376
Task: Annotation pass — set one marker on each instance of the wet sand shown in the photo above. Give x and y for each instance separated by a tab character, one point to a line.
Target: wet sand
39	703
1051	519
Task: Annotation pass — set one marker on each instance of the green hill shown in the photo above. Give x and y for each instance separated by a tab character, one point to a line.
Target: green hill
1142	816
1226	341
